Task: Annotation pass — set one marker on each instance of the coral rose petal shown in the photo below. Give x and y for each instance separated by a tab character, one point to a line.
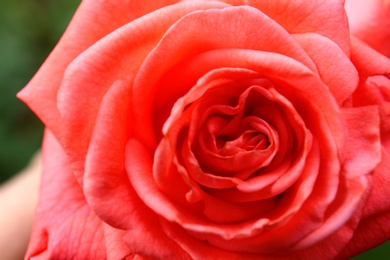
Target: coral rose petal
72	233
370	233
368	61
139	168
115	244
197	82
374	227
339	212
329	58
146	222
106	185
363	151
147	238
307	17
378	198
362	156
140	173
195	34
92	21
200	250
296	81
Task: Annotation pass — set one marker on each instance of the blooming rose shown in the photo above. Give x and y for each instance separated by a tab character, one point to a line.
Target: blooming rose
212	130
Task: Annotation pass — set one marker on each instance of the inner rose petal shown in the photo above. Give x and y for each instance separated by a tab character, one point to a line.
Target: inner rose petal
227	159
211	160
249	140
290	182
209	139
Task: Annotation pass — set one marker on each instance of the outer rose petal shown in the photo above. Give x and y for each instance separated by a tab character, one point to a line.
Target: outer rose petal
374	227
115	245
370	21
302	16
367	61
329	58
64	224
92	21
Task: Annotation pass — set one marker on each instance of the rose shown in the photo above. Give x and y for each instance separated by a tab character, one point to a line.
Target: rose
329	191
204	130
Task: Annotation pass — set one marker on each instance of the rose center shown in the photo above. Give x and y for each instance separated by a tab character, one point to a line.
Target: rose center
247	141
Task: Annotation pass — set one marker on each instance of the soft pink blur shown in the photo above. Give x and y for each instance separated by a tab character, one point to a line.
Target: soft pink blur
370	22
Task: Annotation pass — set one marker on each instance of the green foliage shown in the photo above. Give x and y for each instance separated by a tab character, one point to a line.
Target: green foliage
29	30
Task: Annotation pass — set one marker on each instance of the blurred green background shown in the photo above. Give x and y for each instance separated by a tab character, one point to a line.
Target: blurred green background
29	29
